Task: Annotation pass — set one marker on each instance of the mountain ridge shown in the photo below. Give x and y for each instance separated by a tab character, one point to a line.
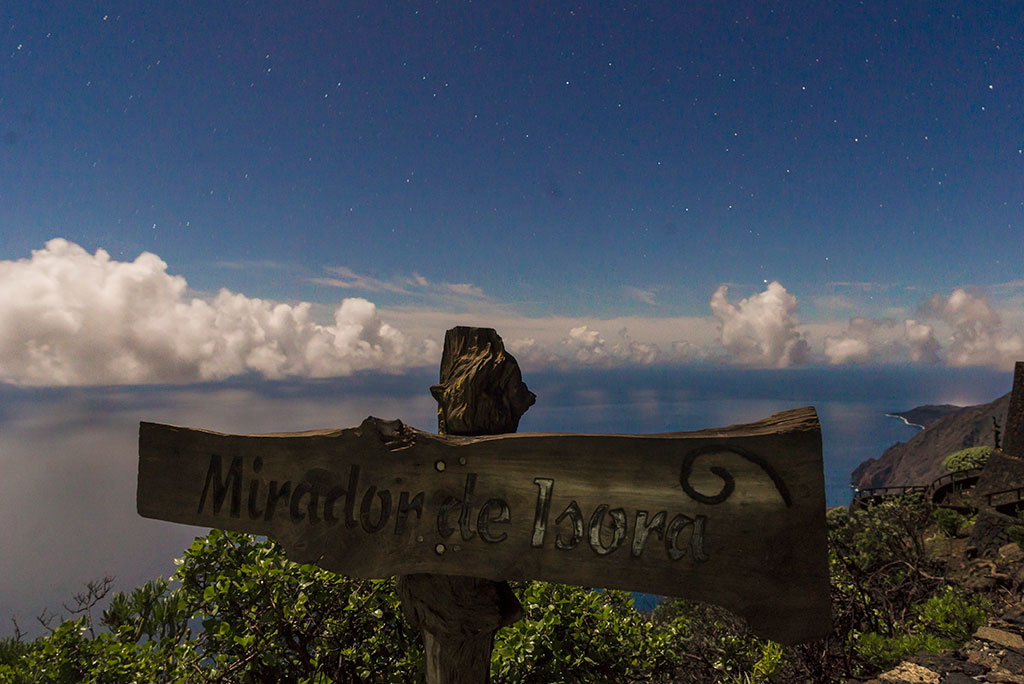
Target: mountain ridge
918	461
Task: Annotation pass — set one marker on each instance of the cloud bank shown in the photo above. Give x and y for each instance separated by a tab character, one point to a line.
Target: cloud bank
959	329
68	317
978	338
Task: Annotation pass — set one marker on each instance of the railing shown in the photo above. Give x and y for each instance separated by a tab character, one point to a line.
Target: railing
895	490
863	496
1018	495
953	478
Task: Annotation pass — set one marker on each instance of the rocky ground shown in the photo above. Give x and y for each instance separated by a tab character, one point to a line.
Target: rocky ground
996	652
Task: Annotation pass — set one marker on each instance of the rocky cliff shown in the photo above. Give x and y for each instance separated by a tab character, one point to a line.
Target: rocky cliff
919	461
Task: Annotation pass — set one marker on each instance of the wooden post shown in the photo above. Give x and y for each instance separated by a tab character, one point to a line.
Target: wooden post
481	392
1013	435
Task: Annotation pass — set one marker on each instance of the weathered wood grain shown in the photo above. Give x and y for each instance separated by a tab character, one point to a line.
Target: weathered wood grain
733	516
480	392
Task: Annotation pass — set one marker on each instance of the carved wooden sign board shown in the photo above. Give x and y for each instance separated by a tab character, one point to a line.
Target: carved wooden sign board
733	516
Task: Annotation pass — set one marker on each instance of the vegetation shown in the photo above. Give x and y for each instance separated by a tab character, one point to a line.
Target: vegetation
965	459
237	610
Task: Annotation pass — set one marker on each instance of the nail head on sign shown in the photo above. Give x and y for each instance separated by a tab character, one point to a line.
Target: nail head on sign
462	460
439	466
439	549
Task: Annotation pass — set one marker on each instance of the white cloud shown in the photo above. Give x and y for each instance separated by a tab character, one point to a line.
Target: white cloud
68	317
923	346
547	340
639	294
464	289
348	279
866	340
961	329
586	345
847	350
415	285
978	337
761	329
641	353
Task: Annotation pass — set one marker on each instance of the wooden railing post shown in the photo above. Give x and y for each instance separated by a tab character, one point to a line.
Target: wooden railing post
481	392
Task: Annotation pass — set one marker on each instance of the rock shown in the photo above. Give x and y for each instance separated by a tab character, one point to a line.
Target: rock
984	659
980	576
1011	553
1001	637
957	678
948	661
1013	662
909	673
990	532
1004	677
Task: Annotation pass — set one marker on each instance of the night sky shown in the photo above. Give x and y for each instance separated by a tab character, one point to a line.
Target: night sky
618	163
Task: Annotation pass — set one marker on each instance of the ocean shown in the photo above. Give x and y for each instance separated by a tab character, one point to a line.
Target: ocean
851	403
69	455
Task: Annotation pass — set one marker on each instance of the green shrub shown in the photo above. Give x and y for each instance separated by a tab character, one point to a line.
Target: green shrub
952	614
949	521
883	652
972	457
943	621
575	634
238	611
1016	534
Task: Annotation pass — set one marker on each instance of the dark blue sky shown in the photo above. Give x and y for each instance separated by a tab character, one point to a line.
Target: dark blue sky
551	155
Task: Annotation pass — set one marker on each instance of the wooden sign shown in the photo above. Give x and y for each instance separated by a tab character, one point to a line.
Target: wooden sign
733	516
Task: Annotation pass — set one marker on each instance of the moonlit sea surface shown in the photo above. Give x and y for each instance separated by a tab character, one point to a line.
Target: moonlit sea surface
69	456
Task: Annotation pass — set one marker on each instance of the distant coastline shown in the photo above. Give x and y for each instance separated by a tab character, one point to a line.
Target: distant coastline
923	416
904	419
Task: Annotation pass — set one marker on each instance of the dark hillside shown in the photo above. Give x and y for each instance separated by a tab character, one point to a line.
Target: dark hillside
919	460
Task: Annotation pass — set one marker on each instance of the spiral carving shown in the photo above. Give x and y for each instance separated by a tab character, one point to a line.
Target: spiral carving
728	481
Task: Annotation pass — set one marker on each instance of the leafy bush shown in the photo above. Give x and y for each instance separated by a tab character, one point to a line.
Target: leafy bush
949	521
881	570
574	634
952	614
238	611
972	457
884	651
943	621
